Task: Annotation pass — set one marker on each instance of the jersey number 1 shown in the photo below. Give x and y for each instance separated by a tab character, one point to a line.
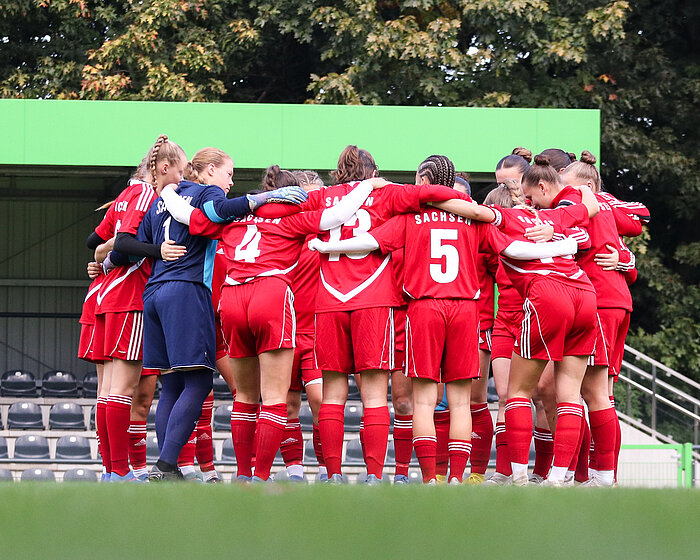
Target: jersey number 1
247	250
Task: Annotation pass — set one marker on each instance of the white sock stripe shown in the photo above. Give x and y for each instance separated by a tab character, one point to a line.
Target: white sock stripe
500	429
517	404
102	400
561	410
293	424
424	438
403	424
480	408
270	417
244	416
137	429
457	446
543	436
121	399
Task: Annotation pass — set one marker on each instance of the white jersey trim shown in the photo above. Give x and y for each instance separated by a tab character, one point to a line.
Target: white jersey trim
119	280
274	272
362	287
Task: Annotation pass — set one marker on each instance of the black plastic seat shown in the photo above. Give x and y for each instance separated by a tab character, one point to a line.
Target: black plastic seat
3	448
390	453
90	385
25	416
279	460
151	420
18	383
221	389
80	475
152	451
6	475
73	448
309	453
353	390
353	453
491	393
306	418
353	416
66	416
31	447
57	383
222	418
38	475
93	411
228	455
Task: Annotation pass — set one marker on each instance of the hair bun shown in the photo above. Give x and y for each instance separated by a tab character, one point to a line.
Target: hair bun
541	160
523	153
588	157
572	156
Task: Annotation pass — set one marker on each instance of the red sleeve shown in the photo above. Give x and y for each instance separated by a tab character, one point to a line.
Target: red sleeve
491	263
405	199
632	208
631	276
571	216
628	225
201	225
491	239
391	235
302	223
137	207
105	228
277	210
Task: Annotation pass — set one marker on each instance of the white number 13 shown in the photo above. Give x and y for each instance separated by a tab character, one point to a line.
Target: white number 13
438	250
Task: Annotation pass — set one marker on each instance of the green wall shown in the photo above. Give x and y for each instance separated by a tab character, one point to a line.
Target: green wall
119	133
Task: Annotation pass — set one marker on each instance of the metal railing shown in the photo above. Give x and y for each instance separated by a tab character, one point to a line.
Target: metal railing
677	470
658	400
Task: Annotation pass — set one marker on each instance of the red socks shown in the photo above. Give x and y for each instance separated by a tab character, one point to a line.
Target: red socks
268	437
331	420
618	435
482	436
584	447
243	421
377	422
544	451
442	432
459	450
403	442
205	443
502	454
604	426
426	451
519	429
118	413
566	437
292	446
102	433
186	457
318	448
137	444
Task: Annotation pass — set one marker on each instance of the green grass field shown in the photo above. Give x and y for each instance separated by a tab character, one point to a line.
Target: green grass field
101	522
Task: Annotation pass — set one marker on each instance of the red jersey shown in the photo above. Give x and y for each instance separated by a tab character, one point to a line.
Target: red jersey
486	267
123	288
514	221
218	275
87	317
257	247
359	281
305	287
397	262
629	216
441	252
509	298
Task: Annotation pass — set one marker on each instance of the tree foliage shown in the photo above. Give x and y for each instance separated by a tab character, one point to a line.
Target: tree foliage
638	62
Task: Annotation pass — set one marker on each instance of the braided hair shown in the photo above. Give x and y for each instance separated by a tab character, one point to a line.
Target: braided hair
162	149
438	170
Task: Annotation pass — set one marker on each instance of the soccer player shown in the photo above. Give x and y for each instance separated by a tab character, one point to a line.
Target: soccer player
258	315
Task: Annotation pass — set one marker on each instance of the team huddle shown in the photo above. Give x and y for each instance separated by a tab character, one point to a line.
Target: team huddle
297	286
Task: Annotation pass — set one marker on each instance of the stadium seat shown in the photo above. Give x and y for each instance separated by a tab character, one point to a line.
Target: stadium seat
38	475
353	453
390	453
306	418
18	383
156	393
3	448
56	383
279	460
66	416
221	390
92	417
6	475
31	447
222	418
90	385
353	390
80	475
353	415
227	453
152	451
415	476
25	416
73	448
151	420
491	393
309	453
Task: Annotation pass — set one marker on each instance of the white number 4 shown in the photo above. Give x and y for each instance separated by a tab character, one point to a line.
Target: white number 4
438	250
247	250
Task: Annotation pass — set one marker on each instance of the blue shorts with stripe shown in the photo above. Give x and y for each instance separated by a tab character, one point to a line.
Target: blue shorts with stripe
178	326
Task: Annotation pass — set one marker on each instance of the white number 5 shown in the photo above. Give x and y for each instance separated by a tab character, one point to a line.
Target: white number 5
438	250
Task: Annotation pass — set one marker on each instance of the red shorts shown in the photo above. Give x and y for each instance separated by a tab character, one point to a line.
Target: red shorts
601	353
615	324
442	339
559	321
304	370
119	335
221	346
86	346
355	341
506	332
257	317
485	340
145	372
400	337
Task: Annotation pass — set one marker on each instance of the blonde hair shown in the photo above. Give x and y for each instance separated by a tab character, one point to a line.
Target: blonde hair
586	170
308	178
201	160
162	149
105	205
